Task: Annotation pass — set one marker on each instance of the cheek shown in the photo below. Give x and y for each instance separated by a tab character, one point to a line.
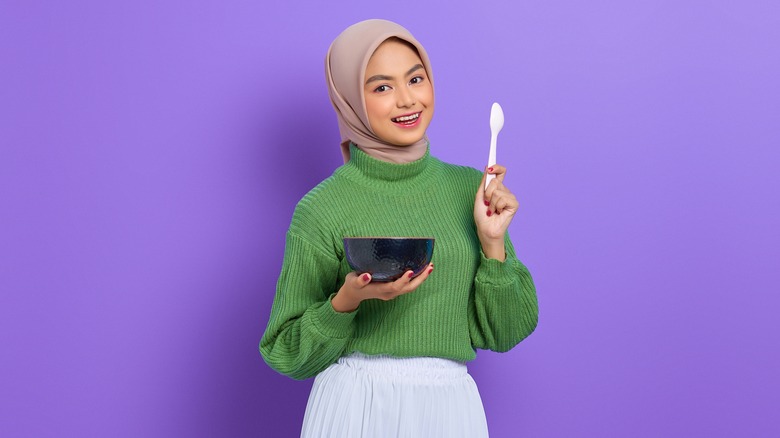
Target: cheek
377	109
429	96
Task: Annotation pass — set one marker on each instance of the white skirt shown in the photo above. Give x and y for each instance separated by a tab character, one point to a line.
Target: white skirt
382	396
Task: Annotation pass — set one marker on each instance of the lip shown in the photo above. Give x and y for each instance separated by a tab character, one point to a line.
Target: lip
408	125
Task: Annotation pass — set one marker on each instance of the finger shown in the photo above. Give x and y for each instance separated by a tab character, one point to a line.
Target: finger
499	171
501	204
388	291
418	280
491	192
504	199
405	279
512	203
415	281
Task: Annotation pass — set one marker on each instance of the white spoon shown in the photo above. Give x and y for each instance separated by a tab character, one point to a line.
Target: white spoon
496	123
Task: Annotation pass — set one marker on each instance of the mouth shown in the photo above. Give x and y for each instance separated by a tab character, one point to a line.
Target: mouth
408	120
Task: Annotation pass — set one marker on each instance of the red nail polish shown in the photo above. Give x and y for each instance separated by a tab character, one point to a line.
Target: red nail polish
430	269
365	277
489	213
487	204
411	274
490	169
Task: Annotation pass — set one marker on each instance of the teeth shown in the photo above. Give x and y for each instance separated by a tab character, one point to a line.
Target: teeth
407	118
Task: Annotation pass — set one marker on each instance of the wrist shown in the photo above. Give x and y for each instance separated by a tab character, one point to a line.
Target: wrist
343	304
494	249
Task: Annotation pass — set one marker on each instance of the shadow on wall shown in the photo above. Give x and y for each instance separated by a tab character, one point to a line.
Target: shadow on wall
286	150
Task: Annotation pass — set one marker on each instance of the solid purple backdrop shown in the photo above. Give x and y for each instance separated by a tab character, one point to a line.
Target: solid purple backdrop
152	154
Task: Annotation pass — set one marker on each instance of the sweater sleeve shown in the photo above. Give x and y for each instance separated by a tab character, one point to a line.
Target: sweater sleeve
305	334
504	310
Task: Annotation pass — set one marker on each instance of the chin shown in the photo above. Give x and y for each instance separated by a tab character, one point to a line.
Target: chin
404	144
405	140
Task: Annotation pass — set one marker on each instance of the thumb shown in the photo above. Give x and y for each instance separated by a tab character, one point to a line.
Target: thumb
362	280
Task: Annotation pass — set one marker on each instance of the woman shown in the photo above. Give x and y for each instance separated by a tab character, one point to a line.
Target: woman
390	357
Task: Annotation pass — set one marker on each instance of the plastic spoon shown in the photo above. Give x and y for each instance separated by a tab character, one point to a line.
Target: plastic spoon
496	123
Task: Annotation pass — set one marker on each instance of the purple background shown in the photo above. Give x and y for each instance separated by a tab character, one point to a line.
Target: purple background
152	154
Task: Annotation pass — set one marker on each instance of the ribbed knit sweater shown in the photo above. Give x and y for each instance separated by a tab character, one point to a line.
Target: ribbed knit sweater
468	302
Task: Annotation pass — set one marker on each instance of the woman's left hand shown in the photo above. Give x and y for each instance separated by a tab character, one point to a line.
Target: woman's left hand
494	209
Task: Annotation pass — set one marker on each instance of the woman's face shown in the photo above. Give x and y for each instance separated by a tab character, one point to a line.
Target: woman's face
399	96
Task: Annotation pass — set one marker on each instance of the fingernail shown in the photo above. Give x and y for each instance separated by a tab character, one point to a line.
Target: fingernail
489	212
490	169
430	269
411	274
365	277
487	203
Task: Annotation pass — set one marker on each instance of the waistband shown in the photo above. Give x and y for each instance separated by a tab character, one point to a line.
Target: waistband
428	368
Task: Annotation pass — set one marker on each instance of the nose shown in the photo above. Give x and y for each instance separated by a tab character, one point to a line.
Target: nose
406	98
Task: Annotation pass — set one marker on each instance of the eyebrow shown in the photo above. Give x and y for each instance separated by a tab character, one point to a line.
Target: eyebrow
388	78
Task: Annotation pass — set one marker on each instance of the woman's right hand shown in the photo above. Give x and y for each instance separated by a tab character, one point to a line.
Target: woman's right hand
358	287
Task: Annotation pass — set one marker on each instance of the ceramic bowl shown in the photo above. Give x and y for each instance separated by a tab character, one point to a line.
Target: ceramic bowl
387	258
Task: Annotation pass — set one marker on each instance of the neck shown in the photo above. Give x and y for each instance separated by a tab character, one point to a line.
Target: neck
396	154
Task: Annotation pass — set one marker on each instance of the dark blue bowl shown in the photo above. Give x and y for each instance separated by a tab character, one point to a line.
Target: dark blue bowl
387	258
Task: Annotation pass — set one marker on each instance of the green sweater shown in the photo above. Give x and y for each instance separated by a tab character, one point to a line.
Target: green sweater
468	302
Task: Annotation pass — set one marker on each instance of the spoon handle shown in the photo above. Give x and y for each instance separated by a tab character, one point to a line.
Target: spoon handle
491	157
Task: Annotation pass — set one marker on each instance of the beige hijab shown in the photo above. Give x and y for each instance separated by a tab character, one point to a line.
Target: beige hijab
345	70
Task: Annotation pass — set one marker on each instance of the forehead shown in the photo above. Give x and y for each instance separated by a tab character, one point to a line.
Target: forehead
393	53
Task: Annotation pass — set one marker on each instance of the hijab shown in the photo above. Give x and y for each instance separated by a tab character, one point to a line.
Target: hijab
345	70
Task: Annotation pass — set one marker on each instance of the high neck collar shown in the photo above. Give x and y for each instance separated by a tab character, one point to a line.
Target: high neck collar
370	171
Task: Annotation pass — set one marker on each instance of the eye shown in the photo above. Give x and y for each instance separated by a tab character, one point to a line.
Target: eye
381	89
416	80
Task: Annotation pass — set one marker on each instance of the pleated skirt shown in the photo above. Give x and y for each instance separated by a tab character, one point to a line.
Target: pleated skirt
382	396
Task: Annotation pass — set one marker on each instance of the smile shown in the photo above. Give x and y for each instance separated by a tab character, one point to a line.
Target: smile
407	120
